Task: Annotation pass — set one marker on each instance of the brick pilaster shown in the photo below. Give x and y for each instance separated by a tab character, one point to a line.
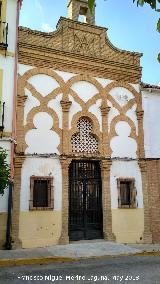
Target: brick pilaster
106	199
105	137
147	235
18	162
65	104
140	114
19	125
64	239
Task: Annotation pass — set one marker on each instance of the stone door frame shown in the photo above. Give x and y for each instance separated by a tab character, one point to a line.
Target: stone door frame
105	165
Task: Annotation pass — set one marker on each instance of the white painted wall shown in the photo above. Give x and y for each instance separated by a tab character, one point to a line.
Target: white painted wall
7	65
121	95
84	90
24	68
112	113
125	169
11	20
136	87
151	107
41	167
30	103
42	140
65	75
44	84
103	82
122	145
75	107
56	106
131	113
95	109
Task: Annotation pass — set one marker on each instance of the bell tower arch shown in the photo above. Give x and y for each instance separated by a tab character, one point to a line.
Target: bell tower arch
78	8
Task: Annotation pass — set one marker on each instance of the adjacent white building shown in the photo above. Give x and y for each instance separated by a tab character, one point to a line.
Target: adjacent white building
9	14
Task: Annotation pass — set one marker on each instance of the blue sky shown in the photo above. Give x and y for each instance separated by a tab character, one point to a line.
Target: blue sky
129	27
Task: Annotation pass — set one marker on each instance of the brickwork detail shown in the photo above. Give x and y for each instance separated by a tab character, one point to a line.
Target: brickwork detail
106	197
65	104
78	48
22	84
147	235
153	191
106	149
18	162
64	239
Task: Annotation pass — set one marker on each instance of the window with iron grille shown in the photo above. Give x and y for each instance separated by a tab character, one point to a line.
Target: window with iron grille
126	193
41	193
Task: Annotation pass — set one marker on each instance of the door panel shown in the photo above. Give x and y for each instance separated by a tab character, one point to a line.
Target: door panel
85	201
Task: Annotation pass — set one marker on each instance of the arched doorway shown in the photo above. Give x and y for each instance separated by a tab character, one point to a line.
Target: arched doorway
85	201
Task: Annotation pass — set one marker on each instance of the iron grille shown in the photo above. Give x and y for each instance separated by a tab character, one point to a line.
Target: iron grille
40	193
125	192
3	35
85	201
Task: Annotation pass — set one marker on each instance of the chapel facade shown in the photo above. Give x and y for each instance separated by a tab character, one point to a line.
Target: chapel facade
87	159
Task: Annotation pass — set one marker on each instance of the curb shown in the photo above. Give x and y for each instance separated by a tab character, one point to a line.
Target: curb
30	261
47	260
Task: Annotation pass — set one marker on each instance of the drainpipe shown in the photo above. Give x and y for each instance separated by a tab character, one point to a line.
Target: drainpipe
9	216
14	94
8	243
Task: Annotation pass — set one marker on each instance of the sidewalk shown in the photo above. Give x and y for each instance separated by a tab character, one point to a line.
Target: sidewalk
74	251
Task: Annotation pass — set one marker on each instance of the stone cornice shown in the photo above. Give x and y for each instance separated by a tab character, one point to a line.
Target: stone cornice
32	55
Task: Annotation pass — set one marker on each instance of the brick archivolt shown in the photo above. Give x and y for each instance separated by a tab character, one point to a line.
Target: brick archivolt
35	71
125	85
65	88
85	78
119	118
77	99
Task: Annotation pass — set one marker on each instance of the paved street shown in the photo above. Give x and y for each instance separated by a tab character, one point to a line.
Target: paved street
128	269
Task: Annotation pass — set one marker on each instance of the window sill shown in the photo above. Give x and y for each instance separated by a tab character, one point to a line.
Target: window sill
41	209
127	207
